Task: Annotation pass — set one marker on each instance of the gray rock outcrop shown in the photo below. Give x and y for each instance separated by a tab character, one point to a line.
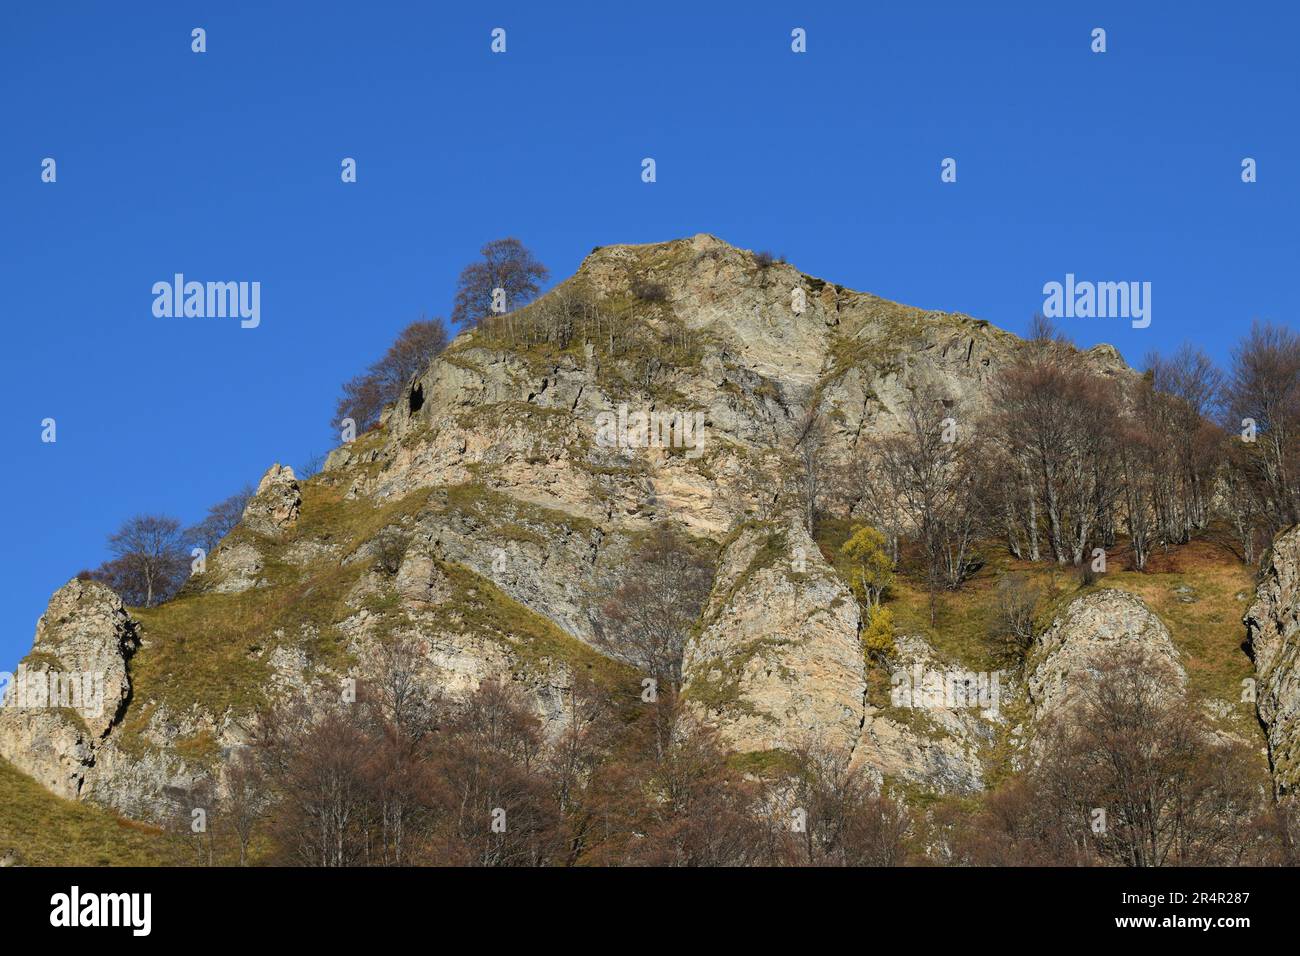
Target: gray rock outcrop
50	726
276	504
1273	628
1092	631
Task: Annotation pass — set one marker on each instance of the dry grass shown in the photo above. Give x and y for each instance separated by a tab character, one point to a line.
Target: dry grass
45	830
1204	618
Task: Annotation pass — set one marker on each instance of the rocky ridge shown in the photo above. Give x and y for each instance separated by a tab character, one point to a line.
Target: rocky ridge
483	514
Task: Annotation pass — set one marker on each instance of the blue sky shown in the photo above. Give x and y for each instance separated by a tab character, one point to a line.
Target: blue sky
225	166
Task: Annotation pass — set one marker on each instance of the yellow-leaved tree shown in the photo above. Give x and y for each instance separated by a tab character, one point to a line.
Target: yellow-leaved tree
878	638
873	570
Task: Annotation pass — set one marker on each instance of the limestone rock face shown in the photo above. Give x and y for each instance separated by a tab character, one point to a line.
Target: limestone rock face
516	522
237	566
934	739
1091	631
1273	626
86	637
276	504
419	582
779	664
49	748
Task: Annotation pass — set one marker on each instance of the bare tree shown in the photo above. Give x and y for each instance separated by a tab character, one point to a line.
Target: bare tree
648	618
316	764
151	562
243	800
363	400
1135	749
931	469
508	265
1053	423
311	467
221	519
491	785
1263	402
403	712
810	446
1044	333
847	820
365	396
1186	389
1016	607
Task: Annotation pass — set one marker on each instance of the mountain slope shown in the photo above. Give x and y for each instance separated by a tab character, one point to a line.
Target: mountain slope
499	502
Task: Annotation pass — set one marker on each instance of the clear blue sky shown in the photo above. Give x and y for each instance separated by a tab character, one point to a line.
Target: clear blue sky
225	166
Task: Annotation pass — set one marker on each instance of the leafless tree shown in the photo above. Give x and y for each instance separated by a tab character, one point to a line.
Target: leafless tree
492	787
316	763
1016	606
648	618
1132	747
932	470
365	396
221	520
811	437
1264	388
243	801
845	819
1053	422
150	562
506	264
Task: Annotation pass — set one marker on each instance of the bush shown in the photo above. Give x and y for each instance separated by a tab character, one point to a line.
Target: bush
649	291
1017	603
878	638
390	549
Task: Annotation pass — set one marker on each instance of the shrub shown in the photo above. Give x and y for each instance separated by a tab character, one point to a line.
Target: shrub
390	549
648	291
878	638
1016	606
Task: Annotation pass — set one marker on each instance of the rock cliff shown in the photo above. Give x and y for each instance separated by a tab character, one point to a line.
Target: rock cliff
1273	623
495	504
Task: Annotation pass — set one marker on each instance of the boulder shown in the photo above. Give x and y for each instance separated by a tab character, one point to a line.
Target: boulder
1089	632
50	726
275	506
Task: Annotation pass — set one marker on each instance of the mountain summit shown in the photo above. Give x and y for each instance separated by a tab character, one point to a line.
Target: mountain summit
495	512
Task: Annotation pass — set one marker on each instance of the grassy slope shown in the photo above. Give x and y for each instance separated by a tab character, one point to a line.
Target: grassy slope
45	830
198	650
209	649
1204	622
203	647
